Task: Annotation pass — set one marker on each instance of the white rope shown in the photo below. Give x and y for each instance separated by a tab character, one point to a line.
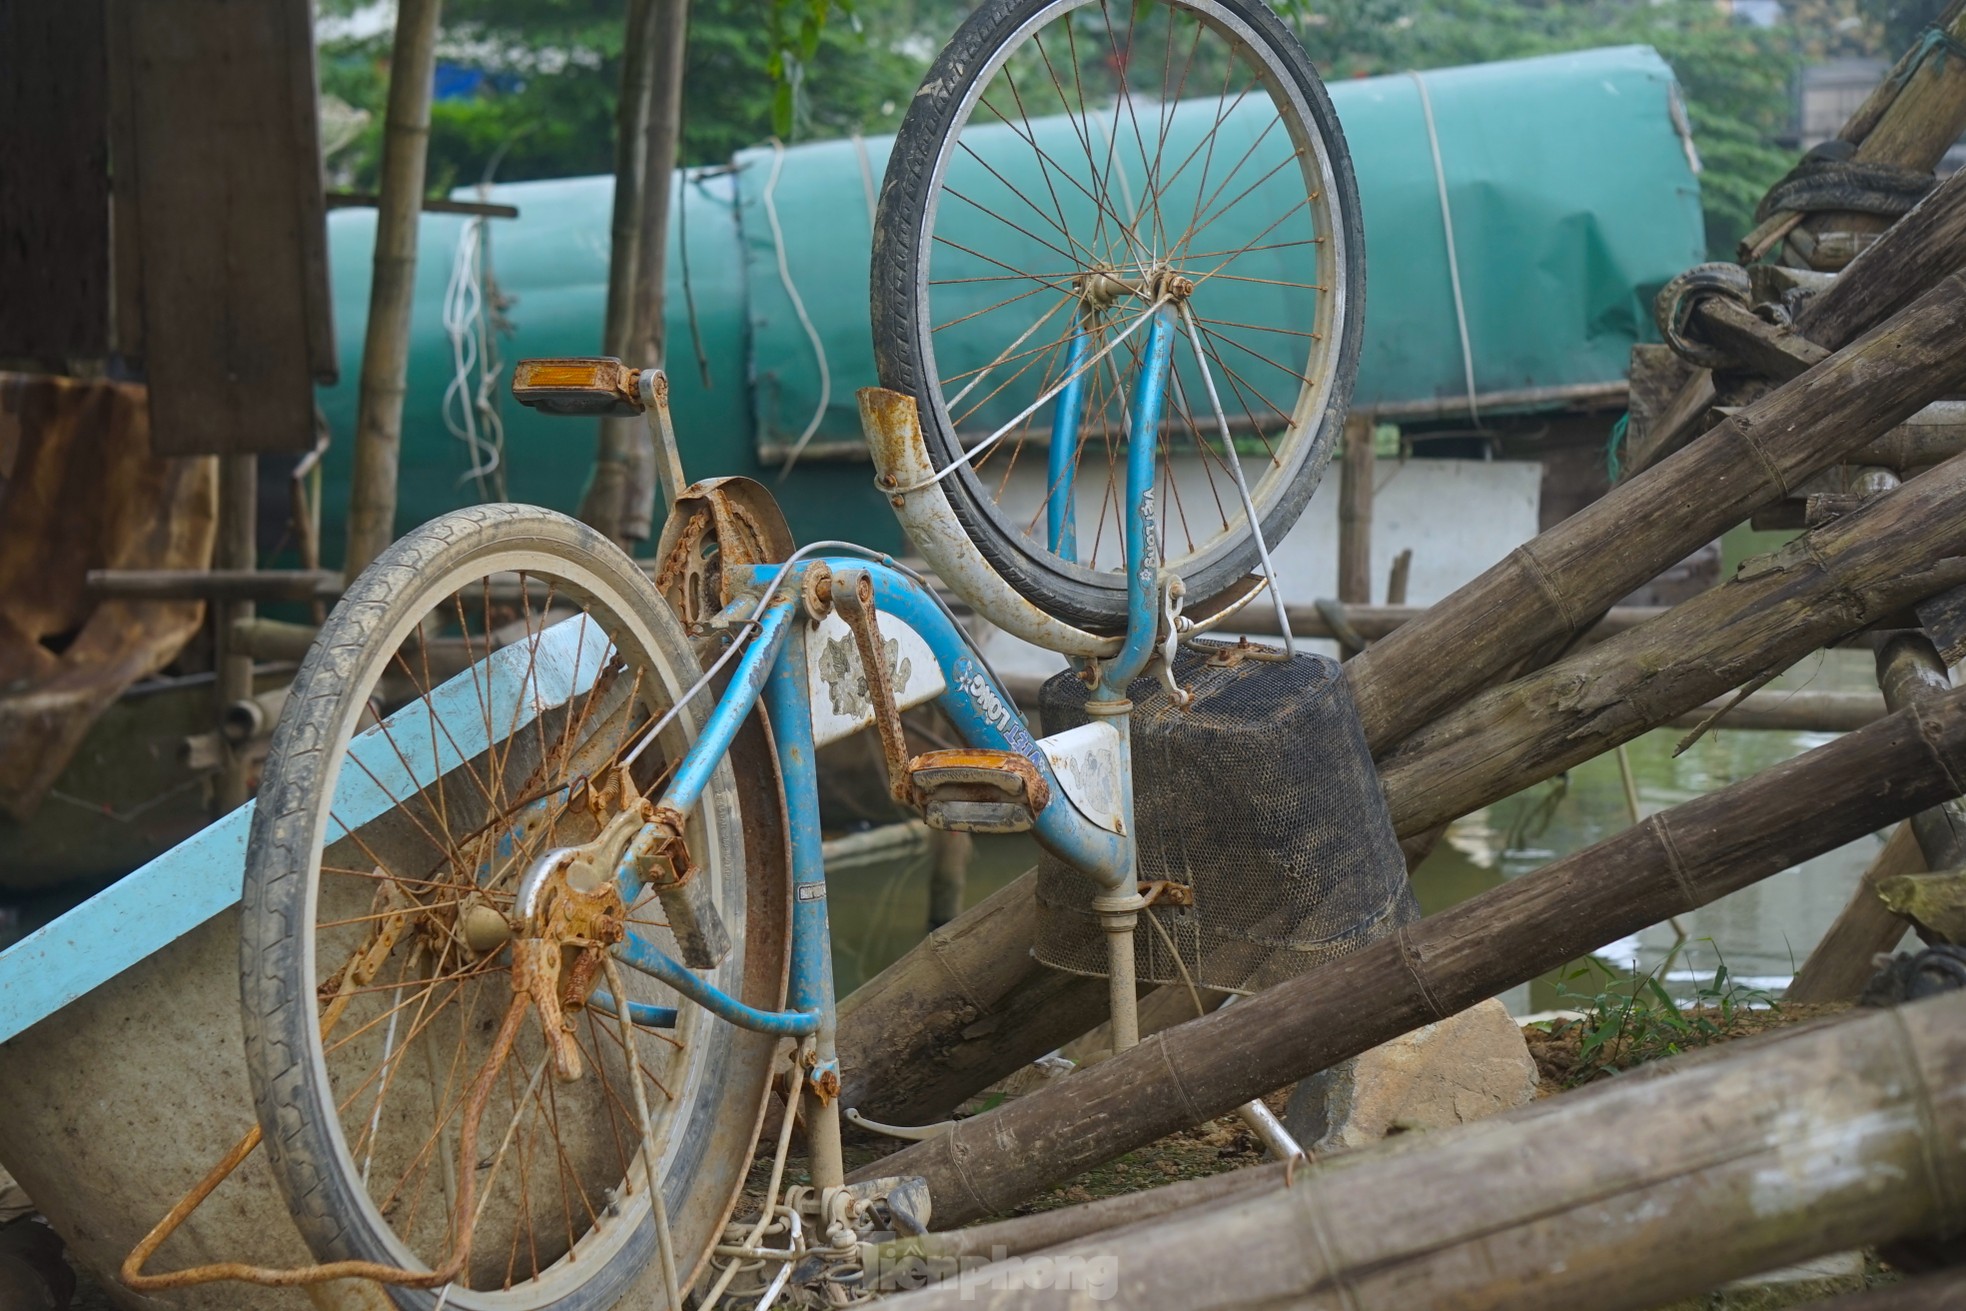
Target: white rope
1453	259
470	409
798	308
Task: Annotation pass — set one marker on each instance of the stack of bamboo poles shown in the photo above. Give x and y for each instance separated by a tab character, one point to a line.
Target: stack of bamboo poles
1496	688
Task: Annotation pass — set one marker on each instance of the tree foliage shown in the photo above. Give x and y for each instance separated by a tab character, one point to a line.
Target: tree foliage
545	107
818	68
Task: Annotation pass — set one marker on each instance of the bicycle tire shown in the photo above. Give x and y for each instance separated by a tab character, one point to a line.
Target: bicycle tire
722	1073
904	235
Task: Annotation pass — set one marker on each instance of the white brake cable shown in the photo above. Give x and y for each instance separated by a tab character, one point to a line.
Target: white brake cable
880	557
1242	484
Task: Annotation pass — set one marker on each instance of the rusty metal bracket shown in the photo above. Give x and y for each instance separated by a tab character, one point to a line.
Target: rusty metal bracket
853	598
1166	892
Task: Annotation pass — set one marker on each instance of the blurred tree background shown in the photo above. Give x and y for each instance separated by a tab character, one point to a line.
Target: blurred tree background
527	87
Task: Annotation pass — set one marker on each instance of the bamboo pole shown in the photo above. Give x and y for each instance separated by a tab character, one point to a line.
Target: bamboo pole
1622	1196
238	548
923	1041
962	1009
669	40
1396	580
1674	862
1908	124
1930	239
1552	588
1822	587
392	288
1786	712
602	504
949	854
1924	117
1844	960
1355	516
1909	672
1945	1291
1374	622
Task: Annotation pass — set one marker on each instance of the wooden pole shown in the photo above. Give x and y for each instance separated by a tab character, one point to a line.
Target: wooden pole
669	41
1843	961
1897	125
1396	581
392	288
1930	239
1818	589
1915	129
1623	1196
1672	863
949	855
1355	516
602	504
1554	587
237	548
964	1007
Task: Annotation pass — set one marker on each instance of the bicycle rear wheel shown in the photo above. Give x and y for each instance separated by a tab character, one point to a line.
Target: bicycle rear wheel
467	708
1067	166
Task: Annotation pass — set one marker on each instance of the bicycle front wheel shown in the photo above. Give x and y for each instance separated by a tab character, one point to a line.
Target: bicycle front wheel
1068	167
471	704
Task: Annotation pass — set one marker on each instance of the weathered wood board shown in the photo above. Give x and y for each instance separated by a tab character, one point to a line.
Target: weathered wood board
221	222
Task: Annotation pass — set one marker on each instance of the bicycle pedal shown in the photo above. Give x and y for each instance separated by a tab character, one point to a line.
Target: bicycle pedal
581	386
971	790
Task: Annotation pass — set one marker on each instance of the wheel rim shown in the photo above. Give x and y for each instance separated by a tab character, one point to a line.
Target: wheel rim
1015	250
407	1052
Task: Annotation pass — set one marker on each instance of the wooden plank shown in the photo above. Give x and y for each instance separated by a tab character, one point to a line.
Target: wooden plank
1766	349
54	206
232	229
1671	863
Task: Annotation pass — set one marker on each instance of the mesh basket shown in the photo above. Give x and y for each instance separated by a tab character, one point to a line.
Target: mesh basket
1261	798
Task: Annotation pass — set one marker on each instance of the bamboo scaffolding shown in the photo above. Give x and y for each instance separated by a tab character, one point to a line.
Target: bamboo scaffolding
921	1039
602	504
1822	587
1823	1139
1554	587
1908	121
1670	864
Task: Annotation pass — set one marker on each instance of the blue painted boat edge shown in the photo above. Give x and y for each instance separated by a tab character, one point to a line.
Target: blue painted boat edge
125	923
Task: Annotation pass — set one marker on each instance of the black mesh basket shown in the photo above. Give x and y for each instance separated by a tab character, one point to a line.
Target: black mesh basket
1261	799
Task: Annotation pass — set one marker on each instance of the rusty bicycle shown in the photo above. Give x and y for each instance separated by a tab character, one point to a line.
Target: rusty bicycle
535	910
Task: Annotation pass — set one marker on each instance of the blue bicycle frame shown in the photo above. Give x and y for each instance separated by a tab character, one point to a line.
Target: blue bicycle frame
774	669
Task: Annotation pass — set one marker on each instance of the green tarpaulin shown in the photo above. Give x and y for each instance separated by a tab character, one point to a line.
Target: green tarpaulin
1569	179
